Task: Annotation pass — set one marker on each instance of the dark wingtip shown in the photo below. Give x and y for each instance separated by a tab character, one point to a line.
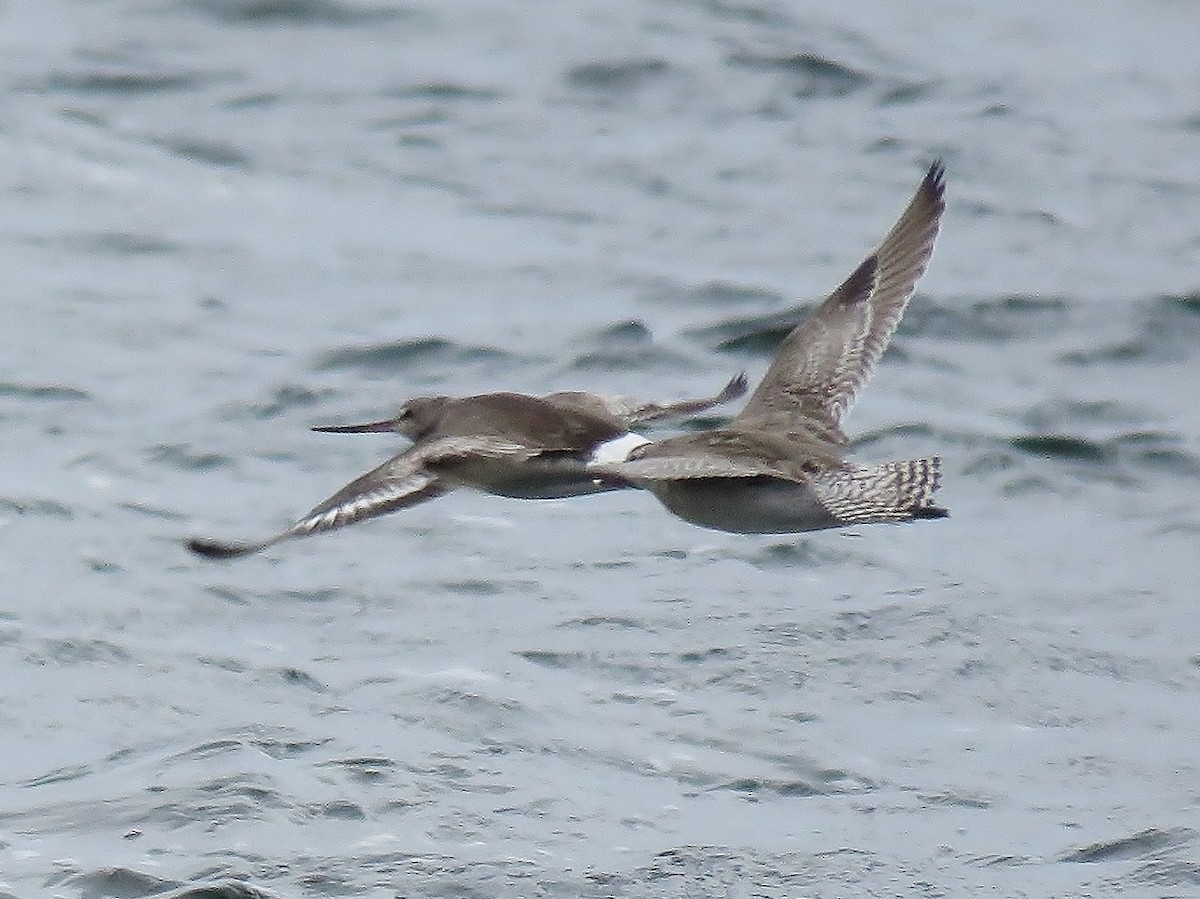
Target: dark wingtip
217	549
930	512
935	179
736	387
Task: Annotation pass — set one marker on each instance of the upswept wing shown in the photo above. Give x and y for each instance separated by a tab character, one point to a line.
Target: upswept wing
825	361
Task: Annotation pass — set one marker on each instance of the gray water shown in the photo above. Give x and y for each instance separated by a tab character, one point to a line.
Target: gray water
226	222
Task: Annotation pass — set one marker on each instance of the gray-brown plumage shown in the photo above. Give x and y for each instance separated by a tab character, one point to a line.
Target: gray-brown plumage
780	466
508	444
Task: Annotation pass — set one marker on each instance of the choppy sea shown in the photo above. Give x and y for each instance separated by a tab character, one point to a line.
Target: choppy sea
226	221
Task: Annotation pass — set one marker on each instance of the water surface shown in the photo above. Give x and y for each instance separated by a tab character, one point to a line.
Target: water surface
226	222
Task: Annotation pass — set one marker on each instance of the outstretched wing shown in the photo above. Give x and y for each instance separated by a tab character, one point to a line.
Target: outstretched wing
722	453
824	362
396	484
403	481
627	412
648	471
641	413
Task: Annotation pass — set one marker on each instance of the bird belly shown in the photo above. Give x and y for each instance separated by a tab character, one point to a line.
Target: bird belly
540	478
746	505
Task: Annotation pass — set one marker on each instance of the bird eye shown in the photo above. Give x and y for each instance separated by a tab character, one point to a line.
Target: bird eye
405	413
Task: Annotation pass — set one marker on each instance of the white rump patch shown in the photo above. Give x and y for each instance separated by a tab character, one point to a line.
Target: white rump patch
617	449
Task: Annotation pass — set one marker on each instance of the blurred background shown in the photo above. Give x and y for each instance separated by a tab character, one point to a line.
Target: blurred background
225	222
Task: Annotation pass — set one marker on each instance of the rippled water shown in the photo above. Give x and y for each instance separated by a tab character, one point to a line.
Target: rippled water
226	222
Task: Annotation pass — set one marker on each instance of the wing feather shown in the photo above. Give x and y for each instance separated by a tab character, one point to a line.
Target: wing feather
825	361
629	413
399	483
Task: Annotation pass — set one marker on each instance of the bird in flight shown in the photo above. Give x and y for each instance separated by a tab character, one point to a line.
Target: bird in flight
509	444
780	466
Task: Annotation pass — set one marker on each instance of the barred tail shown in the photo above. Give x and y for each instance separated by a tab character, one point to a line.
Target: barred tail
894	491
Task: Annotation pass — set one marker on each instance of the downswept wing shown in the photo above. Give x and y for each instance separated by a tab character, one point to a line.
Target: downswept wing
397	484
825	361
403	481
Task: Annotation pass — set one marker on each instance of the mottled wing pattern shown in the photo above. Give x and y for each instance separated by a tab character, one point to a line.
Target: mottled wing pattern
823	364
902	258
816	363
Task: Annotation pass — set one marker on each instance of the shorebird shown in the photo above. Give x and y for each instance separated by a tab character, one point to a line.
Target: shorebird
509	444
780	466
